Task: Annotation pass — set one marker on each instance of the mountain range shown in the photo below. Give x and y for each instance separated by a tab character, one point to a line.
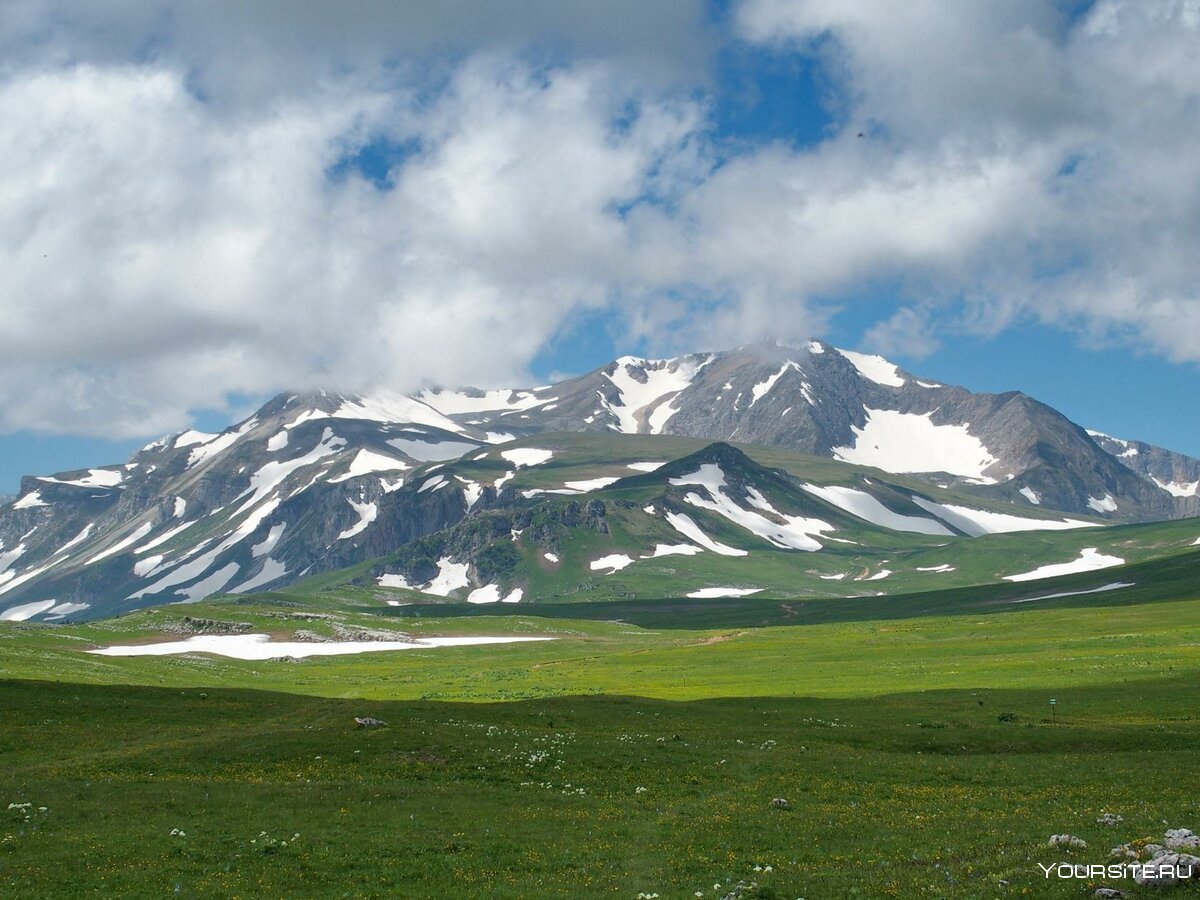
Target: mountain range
448	493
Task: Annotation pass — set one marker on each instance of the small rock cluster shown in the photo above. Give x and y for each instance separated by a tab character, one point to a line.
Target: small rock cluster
1067	842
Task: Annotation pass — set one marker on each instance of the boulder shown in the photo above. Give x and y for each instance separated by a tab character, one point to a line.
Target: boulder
1169	870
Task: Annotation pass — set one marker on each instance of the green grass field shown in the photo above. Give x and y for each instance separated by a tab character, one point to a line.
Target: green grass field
637	753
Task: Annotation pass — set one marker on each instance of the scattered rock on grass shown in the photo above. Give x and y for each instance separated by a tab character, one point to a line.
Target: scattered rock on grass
1067	842
368	722
780	803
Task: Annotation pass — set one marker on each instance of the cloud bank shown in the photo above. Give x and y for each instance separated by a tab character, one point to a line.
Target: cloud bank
182	221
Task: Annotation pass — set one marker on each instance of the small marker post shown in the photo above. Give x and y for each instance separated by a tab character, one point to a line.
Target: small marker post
1053	703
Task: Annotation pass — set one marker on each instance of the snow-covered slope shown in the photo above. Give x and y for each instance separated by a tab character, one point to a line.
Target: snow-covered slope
314	481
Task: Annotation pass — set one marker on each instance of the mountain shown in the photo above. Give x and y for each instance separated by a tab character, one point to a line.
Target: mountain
438	483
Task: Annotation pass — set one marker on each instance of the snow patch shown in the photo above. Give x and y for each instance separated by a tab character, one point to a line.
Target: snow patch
191	437
393	581
277	441
26	610
144	567
1089	560
30	500
432	484
66	609
527	456
614	563
673	550
94	478
1178	488
944	567
451	576
392	407
551	557
593	484
1105	504
472	490
489	593
260	647
648	402
454	403
1031	495
712	592
267	544
908	442
874	368
645	466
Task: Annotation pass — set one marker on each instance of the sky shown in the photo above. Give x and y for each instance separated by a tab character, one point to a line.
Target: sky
206	202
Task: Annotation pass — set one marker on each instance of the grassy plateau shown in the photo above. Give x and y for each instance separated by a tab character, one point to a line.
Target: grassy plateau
636	753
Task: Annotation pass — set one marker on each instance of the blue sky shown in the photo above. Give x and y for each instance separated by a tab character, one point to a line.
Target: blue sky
224	202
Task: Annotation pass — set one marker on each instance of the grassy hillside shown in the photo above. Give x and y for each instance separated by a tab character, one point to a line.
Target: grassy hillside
637	752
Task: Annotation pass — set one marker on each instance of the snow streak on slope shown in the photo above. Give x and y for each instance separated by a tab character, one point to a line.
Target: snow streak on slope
687	526
794	532
763	388
1115	586
976	522
141	532
866	507
649	401
1089	560
907	442
272	570
366	515
874	368
216	445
